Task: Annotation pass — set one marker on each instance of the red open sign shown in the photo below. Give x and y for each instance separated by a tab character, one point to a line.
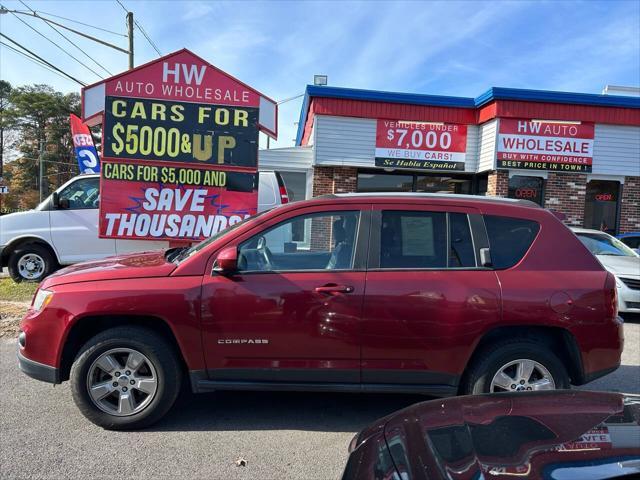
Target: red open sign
526	193
604	197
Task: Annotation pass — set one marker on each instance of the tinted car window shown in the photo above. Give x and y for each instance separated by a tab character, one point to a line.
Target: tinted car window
509	239
329	244
461	253
413	239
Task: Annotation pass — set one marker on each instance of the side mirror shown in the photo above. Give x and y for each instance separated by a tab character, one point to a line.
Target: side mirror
485	258
55	200
227	261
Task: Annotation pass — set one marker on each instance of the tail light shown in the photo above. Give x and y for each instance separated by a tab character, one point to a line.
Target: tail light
611	297
282	188
284	196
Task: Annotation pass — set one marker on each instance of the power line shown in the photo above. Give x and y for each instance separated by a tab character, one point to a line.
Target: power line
51	41
43	60
34	60
82	23
68	40
142	30
148	38
72	160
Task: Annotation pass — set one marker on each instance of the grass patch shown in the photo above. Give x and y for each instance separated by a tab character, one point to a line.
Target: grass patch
16	292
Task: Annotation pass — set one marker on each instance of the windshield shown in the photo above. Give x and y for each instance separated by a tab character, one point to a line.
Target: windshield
186	252
603	244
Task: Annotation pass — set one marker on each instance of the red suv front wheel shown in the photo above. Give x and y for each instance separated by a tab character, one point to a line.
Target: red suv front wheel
125	378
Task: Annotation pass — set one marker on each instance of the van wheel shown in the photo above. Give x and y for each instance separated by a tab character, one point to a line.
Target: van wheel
515	366
31	263
125	378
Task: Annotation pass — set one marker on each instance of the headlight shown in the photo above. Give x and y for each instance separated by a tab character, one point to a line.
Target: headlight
619	283
42	299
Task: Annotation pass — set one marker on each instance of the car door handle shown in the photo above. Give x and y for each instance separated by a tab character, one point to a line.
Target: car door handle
332	288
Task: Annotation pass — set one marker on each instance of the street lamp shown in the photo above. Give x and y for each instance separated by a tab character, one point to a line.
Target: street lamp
320	80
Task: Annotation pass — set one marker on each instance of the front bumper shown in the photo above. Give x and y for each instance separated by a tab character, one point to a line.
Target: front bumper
628	298
39	371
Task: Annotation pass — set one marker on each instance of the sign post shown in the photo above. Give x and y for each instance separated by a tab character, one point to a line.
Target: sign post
179	148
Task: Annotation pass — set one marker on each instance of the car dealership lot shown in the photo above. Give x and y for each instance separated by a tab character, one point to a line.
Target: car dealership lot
280	435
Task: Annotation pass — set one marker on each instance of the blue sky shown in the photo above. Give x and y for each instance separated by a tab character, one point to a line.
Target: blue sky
448	48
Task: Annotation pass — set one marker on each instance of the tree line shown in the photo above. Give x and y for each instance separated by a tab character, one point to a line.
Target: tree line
34	125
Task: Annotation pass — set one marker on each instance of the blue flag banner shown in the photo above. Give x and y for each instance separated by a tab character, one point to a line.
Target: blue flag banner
86	152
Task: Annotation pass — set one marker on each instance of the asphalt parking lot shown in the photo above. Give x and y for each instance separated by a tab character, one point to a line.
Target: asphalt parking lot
280	435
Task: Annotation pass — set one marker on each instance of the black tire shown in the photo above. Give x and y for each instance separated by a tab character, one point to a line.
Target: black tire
490	360
18	275
159	352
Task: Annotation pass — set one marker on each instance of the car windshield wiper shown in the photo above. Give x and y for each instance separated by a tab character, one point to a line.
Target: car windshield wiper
173	254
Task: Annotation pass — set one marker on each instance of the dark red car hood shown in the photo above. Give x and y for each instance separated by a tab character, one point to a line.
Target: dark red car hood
138	265
533	435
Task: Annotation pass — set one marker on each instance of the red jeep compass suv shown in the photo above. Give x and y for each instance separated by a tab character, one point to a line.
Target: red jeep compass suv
373	293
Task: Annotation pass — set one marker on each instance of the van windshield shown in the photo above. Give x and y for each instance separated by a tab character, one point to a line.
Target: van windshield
178	255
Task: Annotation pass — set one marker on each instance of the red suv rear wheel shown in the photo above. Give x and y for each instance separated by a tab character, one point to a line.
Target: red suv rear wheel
515	365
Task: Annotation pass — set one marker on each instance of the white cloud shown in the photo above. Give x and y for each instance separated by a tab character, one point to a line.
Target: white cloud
195	10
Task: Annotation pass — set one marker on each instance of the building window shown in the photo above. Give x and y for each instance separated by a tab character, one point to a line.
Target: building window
384	182
601	205
527	188
430	184
380	181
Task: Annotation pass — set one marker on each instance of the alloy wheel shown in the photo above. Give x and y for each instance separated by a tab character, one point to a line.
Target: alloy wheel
522	375
122	382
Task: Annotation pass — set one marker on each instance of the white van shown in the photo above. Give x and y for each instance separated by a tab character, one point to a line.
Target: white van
61	231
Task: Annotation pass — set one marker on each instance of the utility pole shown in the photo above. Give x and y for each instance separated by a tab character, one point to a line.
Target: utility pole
129	52
130	35
41	168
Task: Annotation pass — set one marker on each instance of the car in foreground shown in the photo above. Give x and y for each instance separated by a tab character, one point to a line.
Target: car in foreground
561	435
620	260
63	229
631	240
434	294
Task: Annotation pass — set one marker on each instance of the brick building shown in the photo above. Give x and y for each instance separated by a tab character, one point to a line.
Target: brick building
571	152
